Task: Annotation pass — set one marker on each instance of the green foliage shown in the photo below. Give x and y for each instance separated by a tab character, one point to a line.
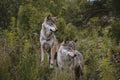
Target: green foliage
5	63
107	68
60	75
116	7
73	11
28	17
115	30
27	68
20	46
67	31
61	26
116	58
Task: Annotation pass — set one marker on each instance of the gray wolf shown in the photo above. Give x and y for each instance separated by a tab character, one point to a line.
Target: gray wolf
48	40
70	58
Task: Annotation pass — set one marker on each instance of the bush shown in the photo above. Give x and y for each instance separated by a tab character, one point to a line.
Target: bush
115	30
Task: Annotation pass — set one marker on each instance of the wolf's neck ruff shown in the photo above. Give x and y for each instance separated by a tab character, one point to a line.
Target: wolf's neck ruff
48	35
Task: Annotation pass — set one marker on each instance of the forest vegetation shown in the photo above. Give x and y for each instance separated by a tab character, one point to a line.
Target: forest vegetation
94	23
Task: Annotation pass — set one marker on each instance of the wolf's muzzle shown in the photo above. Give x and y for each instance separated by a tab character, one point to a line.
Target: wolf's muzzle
54	30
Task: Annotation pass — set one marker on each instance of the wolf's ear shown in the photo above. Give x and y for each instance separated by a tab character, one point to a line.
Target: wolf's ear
66	41
49	17
56	17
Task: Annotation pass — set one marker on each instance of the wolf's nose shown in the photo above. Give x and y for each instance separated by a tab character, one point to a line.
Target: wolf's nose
51	30
75	55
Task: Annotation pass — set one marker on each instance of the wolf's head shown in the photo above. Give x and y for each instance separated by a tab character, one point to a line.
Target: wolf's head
70	44
50	23
69	47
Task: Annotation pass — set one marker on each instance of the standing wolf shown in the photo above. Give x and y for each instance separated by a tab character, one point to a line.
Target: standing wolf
48	40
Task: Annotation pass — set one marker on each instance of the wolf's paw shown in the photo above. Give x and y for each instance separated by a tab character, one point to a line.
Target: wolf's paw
51	66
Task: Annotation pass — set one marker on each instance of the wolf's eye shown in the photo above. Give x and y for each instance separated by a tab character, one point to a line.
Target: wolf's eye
54	21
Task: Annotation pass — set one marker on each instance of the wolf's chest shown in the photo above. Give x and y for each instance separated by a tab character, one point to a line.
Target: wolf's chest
50	42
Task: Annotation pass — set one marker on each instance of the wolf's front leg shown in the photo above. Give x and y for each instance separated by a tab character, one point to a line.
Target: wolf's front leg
49	57
42	55
53	52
